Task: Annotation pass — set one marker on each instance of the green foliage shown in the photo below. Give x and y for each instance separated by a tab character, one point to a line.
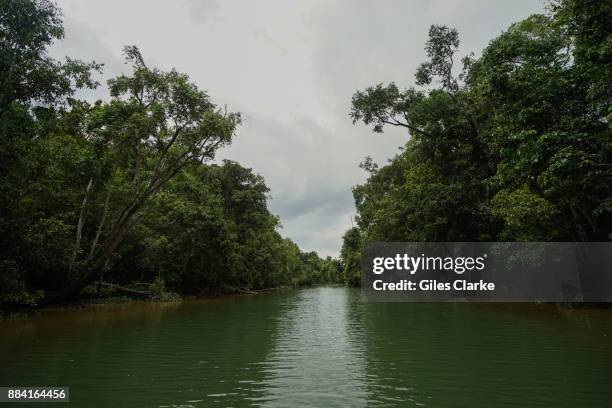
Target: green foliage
155	126
526	215
160	293
518	146
210	231
13	290
123	190
27	73
352	247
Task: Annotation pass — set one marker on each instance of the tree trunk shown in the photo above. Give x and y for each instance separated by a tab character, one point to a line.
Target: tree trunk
126	290
79	231
97	268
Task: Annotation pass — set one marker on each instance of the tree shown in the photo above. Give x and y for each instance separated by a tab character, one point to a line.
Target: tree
155	125
122	190
33	87
27	73
548	90
352	248
518	146
434	190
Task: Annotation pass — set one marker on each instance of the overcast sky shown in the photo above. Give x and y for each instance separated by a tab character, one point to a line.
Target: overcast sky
291	68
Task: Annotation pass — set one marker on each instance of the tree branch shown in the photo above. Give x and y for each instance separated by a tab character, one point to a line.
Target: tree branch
99	230
79	231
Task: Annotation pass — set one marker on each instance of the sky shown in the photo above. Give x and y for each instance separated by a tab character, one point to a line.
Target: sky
290	68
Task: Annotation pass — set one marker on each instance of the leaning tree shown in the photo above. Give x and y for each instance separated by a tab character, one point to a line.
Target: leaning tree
155	125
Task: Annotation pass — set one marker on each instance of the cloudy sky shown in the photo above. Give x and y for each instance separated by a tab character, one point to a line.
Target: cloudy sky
291	68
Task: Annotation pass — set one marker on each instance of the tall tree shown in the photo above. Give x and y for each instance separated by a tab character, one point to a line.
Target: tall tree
32	87
155	125
518	146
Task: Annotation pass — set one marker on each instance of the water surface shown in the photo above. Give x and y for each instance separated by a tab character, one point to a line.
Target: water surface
317	347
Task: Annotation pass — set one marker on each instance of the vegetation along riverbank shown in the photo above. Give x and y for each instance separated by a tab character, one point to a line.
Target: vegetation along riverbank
109	194
512	145
123	196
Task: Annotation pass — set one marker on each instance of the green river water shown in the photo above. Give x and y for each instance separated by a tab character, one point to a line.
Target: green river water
320	347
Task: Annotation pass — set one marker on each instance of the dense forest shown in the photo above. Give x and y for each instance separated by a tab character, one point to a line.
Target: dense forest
124	191
512	145
515	145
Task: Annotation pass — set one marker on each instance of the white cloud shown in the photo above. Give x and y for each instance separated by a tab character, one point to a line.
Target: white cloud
291	68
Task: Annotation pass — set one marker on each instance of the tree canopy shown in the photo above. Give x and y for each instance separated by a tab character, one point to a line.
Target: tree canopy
124	190
514	145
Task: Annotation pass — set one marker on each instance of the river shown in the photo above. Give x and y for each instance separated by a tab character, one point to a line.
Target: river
320	347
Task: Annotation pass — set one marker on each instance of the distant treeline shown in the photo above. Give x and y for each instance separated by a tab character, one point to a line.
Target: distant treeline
515	145
123	191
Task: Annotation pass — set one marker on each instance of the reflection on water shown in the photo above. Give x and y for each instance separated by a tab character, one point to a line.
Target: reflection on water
315	347
317	359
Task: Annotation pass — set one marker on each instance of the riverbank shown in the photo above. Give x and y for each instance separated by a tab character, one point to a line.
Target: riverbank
112	302
110	298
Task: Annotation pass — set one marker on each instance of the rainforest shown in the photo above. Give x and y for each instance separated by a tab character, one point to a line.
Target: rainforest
188	191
